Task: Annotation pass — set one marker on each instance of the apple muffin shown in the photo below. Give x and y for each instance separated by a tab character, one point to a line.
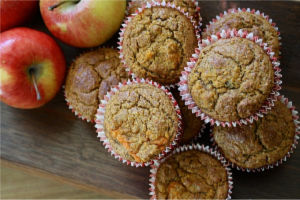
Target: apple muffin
250	22
232	79
157	43
192	125
188	6
90	77
259	144
191	174
140	121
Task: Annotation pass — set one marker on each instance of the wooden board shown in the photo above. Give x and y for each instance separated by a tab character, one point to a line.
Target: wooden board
52	139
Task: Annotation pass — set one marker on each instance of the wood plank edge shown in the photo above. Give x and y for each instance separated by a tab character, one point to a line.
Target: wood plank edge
44	174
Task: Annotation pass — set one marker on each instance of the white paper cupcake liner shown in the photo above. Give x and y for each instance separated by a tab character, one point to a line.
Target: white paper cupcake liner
183	148
100	122
186	96
196	17
295	115
253	11
140	10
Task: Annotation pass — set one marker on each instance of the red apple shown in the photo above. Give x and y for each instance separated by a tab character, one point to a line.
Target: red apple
32	68
16	12
83	23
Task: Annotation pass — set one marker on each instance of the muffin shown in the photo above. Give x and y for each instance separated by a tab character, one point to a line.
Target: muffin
192	125
140	121
188	6
232	79
90	77
157	43
259	144
191	174
249	21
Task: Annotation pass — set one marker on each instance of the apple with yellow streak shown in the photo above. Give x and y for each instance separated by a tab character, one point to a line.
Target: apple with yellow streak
32	68
83	23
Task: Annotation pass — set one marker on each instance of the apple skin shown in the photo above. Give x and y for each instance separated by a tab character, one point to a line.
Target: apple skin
83	23
14	13
22	50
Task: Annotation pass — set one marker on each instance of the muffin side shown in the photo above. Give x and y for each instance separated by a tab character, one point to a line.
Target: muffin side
140	121
232	79
191	174
90	77
260	144
157	43
248	21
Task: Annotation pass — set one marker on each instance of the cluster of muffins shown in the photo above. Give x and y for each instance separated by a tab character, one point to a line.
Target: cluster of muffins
151	99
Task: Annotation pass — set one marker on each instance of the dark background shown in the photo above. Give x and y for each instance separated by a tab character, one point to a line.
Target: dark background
51	138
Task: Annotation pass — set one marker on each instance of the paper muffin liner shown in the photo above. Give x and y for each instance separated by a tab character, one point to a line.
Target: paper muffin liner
183	148
295	115
100	122
186	96
140	10
253	11
196	17
76	113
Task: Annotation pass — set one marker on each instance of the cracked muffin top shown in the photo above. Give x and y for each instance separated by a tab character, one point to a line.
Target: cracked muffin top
140	121
188	6
262	143
231	79
250	23
157	44
191	124
90	77
191	175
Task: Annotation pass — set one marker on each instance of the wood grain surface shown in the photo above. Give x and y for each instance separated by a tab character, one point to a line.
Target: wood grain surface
53	140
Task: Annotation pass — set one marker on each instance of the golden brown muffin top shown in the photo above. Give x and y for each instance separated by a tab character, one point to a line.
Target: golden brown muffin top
262	143
157	44
191	175
191	124
90	77
231	79
188	6
140	121
250	23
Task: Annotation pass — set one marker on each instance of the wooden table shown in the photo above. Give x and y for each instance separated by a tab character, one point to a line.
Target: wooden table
51	140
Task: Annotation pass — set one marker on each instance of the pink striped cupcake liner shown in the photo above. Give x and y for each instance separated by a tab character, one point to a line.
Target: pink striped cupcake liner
140	10
100	122
186	96
198	147
253	11
295	115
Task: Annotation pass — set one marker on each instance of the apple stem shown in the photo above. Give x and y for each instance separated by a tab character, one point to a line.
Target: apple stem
38	95
51	8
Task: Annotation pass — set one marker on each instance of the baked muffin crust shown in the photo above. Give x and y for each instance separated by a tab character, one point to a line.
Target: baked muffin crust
250	23
262	143
191	175
188	6
140	121
231	79
191	124
157	44
90	77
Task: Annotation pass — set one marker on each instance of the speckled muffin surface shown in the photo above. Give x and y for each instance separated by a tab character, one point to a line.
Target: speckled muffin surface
188	6
191	124
231	79
191	175
261	143
140	121
250	23
157	43
90	77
